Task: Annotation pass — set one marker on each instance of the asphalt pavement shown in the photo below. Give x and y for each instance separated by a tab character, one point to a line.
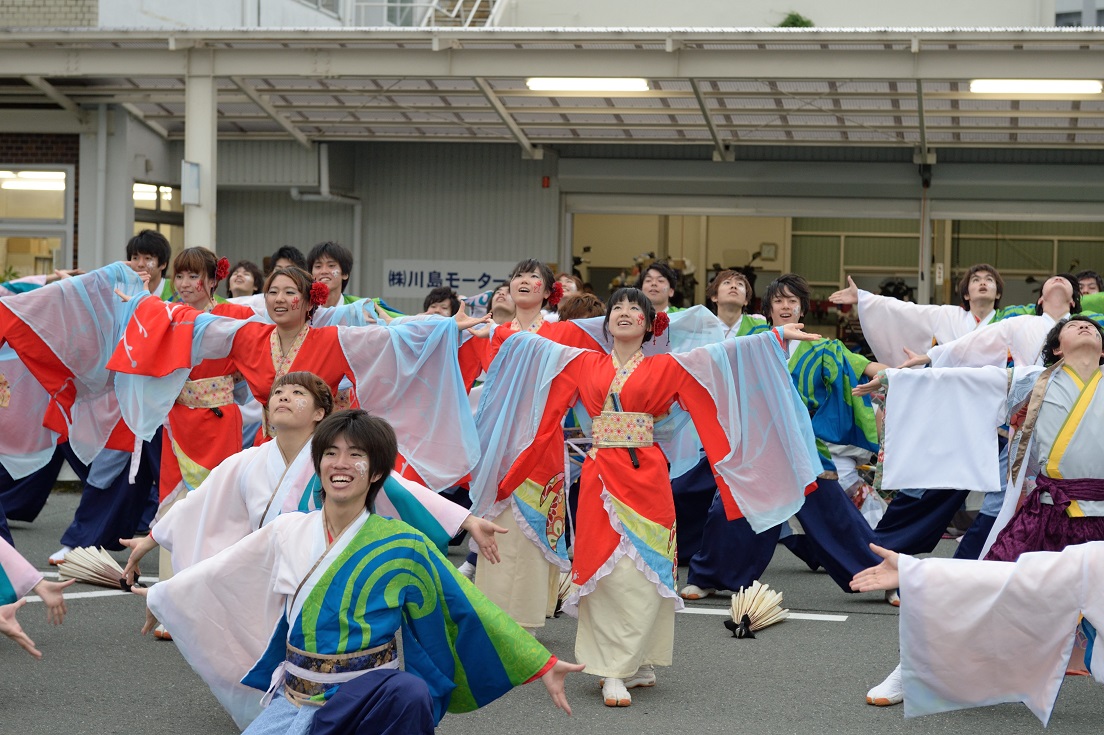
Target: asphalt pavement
803	676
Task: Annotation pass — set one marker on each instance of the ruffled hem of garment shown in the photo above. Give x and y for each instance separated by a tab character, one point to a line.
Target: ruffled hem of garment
564	565
624	548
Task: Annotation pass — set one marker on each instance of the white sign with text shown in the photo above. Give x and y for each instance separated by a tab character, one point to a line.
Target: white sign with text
415	278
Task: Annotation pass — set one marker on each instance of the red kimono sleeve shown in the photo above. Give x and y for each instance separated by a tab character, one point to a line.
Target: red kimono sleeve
45	366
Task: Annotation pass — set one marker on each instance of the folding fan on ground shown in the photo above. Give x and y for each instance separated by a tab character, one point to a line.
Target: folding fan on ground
754	608
92	565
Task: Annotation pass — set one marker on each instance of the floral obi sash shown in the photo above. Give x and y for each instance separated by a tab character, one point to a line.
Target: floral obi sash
207	392
308	676
622	429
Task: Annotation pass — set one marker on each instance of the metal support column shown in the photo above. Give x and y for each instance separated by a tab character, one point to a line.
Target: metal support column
201	147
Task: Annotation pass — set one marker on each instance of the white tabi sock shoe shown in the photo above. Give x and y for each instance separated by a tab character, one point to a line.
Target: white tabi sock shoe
889	692
893	598
58	557
161	634
644	677
614	693
694	592
468	570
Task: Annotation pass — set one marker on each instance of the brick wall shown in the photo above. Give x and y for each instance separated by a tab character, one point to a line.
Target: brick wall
25	148
49	13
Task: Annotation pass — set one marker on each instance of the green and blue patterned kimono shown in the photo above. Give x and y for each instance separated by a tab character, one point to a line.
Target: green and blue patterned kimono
233	616
824	373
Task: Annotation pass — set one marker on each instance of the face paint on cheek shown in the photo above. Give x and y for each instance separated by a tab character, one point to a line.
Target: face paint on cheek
361	468
640	319
295	303
300	404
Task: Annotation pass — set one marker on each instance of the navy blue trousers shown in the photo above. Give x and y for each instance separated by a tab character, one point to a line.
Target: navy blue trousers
382	702
111	507
694	494
733	555
24	499
915	525
5	532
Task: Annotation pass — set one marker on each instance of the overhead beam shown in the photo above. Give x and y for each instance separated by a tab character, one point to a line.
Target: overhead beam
624	111
44	121
141	117
740	63
720	151
272	112
922	126
745	129
528	149
56	97
400	138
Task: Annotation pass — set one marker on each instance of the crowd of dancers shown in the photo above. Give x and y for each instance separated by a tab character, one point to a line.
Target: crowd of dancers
304	577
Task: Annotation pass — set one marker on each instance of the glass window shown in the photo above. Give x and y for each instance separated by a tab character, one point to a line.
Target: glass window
33	195
157	198
22	256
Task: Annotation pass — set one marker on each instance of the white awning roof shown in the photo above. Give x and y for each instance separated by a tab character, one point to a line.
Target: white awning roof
708	87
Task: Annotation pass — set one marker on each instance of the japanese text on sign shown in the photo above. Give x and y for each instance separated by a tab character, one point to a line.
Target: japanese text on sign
415	278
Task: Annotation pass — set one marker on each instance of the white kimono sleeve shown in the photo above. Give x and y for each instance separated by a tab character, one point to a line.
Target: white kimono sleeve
209	519
987	346
941	428
223	611
890	325
1015	622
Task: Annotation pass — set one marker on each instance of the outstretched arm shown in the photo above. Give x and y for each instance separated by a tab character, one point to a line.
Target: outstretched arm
554	682
846	296
10	627
885	576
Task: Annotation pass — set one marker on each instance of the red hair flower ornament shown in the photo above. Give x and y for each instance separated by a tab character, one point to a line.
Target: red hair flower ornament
556	295
660	324
222	269
319	293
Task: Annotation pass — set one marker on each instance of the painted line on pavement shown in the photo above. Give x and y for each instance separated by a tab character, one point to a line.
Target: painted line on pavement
82	595
85	595
793	615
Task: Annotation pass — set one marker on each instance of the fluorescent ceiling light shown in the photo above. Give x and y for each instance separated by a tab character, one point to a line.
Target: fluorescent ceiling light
144	196
7	175
1036	86
53	175
586	84
33	184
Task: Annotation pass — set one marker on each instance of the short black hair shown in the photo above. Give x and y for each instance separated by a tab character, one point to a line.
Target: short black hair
1074	285
789	283
338	252
363	431
288	252
151	242
663	268
1093	275
1052	339
964	284
442	293
636	296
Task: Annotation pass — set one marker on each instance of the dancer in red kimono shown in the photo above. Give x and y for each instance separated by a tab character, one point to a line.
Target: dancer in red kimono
407	372
755	430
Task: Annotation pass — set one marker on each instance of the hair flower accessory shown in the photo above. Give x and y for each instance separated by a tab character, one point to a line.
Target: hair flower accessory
556	295
319	293
222	269
660	323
